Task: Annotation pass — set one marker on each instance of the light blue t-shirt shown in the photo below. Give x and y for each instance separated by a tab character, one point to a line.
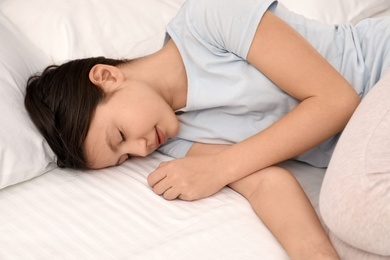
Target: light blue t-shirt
228	99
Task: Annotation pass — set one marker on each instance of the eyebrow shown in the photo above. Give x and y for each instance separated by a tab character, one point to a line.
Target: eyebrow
112	147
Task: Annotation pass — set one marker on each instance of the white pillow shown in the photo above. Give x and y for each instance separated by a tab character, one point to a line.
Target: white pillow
68	29
62	30
24	153
337	11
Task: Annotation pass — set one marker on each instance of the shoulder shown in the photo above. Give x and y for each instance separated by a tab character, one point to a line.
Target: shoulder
225	8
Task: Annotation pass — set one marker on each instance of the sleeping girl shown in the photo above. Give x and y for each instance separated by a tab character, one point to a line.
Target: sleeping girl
239	87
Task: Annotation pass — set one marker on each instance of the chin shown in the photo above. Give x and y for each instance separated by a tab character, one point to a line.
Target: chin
175	131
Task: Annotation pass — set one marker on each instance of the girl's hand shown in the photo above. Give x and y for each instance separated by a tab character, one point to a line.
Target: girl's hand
189	178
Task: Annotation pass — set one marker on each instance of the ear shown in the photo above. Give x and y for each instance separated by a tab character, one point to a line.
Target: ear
105	76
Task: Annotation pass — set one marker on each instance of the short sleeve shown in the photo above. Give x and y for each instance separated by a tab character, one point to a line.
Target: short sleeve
228	25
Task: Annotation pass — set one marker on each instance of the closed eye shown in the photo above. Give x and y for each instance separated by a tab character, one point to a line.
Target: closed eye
122	136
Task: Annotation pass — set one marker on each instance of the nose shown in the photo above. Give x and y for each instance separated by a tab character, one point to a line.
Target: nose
143	147
139	147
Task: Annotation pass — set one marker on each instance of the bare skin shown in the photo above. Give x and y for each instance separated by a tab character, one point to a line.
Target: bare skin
325	97
290	62
274	193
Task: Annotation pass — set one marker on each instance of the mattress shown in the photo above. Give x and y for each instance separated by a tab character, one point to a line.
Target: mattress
113	214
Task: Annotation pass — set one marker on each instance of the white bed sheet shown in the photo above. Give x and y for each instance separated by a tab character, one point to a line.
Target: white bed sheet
113	214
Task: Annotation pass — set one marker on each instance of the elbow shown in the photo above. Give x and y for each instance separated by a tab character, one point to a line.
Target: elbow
352	103
347	107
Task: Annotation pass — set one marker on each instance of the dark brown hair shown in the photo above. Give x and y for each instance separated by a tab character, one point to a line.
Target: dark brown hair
61	102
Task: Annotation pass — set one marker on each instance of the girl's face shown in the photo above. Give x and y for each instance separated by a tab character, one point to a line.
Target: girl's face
134	121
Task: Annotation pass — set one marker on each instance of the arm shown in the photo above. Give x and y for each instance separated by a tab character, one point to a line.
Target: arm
274	193
327	102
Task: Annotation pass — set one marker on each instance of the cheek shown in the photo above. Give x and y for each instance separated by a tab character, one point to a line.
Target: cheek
173	125
97	155
176	124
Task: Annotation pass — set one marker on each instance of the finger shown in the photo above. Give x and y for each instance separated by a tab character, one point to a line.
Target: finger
161	187
162	164
171	194
156	176
185	197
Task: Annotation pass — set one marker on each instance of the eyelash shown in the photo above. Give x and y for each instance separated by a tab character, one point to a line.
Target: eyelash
122	135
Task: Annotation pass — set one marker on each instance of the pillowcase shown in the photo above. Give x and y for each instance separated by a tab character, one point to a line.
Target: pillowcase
54	31
337	11
24	153
69	29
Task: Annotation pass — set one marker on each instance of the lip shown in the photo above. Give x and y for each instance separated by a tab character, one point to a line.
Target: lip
160	137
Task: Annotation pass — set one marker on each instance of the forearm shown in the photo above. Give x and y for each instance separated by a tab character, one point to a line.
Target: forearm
208	168
309	124
327	101
282	205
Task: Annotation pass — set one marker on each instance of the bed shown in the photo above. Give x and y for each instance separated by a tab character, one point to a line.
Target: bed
53	213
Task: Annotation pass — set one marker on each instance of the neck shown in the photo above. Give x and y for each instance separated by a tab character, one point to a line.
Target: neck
164	71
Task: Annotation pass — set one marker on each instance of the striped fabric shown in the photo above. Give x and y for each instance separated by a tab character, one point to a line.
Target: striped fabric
113	214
